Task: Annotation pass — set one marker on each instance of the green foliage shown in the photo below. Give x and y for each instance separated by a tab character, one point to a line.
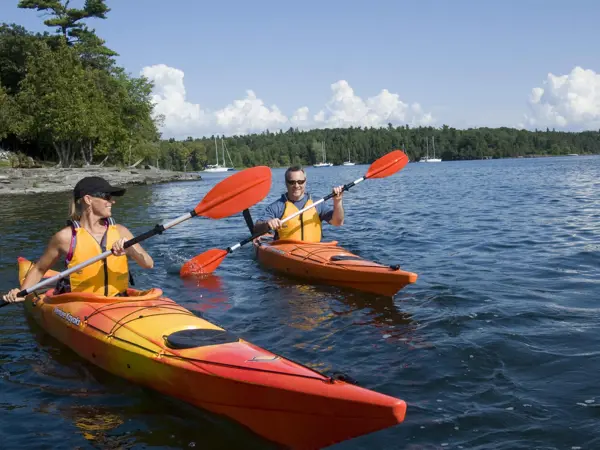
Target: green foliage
55	99
69	25
6	113
65	18
15	43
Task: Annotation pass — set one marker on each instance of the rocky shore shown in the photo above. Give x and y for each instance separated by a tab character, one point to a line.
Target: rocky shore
35	181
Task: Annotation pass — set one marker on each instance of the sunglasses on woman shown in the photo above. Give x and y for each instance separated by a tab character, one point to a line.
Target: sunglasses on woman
103	195
294	182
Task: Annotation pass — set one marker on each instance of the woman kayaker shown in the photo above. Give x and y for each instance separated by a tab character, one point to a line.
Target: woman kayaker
307	226
91	231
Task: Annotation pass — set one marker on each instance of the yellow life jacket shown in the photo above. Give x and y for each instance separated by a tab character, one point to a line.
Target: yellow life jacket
107	277
304	227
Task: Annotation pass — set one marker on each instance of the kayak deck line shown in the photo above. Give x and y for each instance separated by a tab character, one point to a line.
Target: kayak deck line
341	257
121	322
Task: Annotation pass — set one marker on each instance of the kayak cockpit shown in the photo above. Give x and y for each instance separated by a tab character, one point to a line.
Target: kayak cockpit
199	337
133	295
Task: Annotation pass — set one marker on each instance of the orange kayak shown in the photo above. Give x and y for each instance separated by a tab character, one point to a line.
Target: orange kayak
328	263
151	340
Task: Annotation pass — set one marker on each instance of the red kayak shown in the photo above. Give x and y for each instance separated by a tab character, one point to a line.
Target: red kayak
149	339
328	263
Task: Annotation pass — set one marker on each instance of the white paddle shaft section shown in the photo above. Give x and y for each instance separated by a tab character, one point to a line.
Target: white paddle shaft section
319	201
177	221
55	278
296	214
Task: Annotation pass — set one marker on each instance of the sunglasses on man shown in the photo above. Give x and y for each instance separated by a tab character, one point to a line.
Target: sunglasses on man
294	182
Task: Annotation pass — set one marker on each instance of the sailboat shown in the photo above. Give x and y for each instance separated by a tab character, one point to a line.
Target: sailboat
323	164
349	162
427	158
217	167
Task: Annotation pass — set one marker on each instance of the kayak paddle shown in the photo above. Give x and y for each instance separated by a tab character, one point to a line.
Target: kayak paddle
228	197
208	261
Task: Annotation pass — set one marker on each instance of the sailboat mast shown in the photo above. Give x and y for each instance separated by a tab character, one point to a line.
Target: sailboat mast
223	148
216	151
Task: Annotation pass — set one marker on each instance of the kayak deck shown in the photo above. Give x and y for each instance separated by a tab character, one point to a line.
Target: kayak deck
151	340
328	263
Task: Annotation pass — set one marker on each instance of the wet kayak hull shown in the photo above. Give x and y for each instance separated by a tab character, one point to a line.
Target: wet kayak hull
152	341
328	263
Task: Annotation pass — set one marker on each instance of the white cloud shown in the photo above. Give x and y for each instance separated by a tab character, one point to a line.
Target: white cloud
347	109
182	118
569	101
250	115
301	118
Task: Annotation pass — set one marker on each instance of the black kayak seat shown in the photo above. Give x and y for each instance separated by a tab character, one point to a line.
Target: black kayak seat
200	337
344	258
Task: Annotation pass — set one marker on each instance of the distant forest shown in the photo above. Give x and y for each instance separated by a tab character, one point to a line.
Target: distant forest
364	145
64	101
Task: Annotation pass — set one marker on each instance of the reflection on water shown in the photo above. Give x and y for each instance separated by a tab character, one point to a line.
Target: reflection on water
311	305
93	422
160	422
206	292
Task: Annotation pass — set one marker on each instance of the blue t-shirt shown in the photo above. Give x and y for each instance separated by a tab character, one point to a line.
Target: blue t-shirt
275	209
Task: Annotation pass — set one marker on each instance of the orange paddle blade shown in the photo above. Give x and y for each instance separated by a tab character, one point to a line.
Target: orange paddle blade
236	193
204	263
387	165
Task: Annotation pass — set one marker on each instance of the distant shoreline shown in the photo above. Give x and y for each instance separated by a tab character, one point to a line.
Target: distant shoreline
48	180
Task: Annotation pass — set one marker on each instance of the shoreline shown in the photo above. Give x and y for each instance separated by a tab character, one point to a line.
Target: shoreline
49	180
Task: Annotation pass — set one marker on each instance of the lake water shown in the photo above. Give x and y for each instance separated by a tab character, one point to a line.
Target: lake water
497	345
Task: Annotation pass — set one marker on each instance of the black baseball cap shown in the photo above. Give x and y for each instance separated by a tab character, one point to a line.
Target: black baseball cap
95	185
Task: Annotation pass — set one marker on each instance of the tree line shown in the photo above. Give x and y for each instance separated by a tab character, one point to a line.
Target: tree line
65	101
364	145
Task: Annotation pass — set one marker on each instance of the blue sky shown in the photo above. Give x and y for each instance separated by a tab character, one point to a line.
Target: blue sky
315	64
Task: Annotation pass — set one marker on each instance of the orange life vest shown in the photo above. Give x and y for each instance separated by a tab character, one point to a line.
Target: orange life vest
304	227
108	277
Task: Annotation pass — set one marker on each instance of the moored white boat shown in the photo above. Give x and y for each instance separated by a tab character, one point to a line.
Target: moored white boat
433	159
323	163
218	167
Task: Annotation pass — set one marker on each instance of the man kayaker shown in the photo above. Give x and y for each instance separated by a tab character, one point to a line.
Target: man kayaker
307	226
91	231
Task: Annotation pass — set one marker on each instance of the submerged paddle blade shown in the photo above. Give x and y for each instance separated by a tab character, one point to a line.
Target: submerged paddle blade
204	263
387	165
236	193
